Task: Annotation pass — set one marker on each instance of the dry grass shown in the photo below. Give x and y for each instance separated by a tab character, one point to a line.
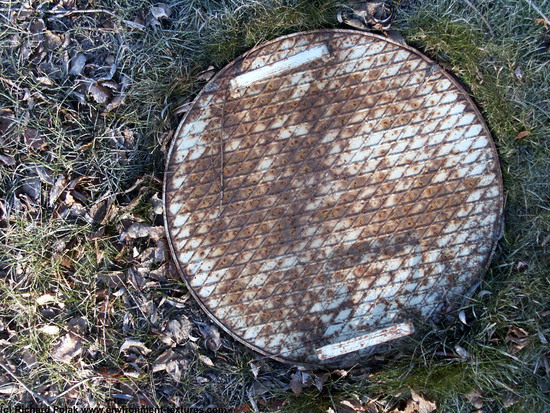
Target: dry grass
62	258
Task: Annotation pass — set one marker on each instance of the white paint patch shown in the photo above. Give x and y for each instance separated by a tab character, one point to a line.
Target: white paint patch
280	67
366	340
175	207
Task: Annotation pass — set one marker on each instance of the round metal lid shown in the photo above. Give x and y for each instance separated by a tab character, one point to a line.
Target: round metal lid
328	190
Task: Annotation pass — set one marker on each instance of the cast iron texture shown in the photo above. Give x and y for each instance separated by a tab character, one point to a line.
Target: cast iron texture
350	188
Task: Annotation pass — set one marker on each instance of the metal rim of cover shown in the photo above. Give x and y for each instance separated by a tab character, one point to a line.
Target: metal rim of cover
327	192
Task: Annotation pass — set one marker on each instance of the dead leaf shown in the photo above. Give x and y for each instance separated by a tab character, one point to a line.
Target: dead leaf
46	299
137	230
11	389
296	383
517	339
161	251
53	41
157	204
49	330
100	211
44	80
211	335
176	331
518	73
545	22
207	74
184	108
7	160
255	368
320	379
57	189
37	26
78	324
131	345
161	11
44	175
171	362
77	64
100	93
462	317
350	406
6	120
68	348
461	351
28	358
157	233
522	134
206	360
521	266
475	397
33	140
417	404
33	188
115	103
546	362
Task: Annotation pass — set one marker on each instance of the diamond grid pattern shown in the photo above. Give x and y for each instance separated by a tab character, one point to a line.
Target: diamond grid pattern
356	191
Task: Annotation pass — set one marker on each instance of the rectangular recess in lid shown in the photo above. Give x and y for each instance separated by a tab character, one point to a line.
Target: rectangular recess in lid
277	68
366	340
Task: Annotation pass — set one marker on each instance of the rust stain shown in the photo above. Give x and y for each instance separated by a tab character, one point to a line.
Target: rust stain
351	198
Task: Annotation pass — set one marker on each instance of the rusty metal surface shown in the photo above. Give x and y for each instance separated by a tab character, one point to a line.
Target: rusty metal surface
329	185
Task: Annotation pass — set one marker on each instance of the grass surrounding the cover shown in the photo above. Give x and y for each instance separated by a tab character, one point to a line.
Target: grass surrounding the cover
67	154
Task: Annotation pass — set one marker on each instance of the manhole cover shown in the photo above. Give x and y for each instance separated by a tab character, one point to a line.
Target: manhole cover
329	190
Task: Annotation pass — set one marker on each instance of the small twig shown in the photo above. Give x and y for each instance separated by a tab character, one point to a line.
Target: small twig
541	14
33	394
105	321
60	395
474	8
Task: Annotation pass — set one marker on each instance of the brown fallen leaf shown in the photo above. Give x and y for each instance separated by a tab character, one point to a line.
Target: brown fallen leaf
57	189
254	368
161	11
137	230
350	406
296	384
522	135
131	345
517	339
157	233
100	211
521	266
211	335
157	204
475	397
176	331
77	64
79	325
417	404
207	74
100	93
7	160
6	120
49	330
33	140
206	360
171	362
47	299
68	348
11	389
